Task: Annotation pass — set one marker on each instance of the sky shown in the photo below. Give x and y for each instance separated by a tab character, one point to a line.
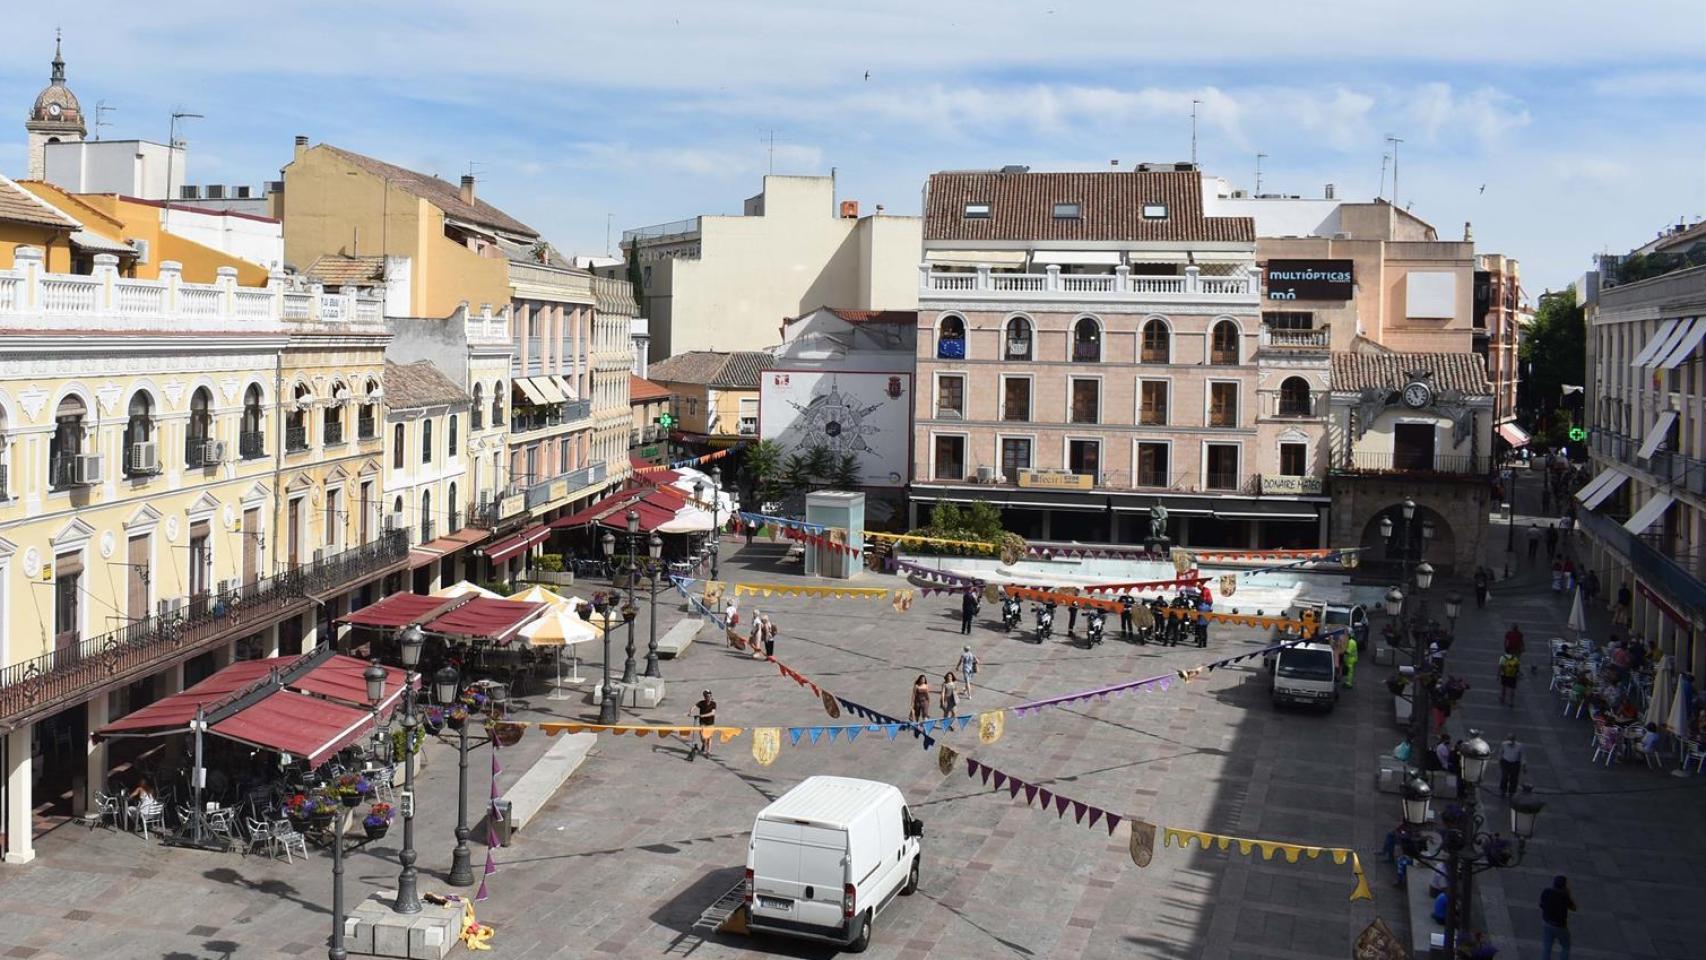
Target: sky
1558	128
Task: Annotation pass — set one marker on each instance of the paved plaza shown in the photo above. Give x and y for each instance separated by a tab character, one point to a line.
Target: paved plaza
624	859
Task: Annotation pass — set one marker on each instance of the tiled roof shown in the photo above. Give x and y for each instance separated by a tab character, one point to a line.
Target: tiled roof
711	368
18	205
1111	208
615	297
410	386
641	390
335	271
905	318
1391	371
440	193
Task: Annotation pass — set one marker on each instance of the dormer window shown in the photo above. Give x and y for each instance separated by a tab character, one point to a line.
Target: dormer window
1155	211
1068	211
977	211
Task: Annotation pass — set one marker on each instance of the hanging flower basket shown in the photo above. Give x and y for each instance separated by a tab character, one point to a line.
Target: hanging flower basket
455	718
375	830
506	734
377	821
435	720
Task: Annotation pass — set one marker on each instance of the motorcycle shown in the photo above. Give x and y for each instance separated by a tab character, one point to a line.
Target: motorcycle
1012	611
1045	621
1094	627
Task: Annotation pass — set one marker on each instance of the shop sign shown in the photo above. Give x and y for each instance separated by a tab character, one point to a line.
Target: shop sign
1055	480
1292	485
1309	279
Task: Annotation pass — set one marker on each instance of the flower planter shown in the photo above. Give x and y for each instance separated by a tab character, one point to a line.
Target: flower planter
375	830
506	734
352	799
454	721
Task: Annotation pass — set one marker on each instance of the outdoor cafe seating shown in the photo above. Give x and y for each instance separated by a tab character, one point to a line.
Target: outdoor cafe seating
1624	696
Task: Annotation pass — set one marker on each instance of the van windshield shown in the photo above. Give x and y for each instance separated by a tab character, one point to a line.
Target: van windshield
1306	665
1338	615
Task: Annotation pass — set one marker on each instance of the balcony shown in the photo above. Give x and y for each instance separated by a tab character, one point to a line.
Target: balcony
1410	464
365	426
3	487
550	491
576	410
295	439
44	684
1054	285
62	472
477	417
427	530
333	434
1303	341
251	445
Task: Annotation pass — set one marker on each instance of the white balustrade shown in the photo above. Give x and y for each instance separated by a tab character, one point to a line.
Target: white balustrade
1054	284
1143	284
298	306
198	301
1088	283
253	304
139	298
11	287
68	294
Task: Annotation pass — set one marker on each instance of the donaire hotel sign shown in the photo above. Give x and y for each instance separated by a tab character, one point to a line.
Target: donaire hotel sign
1309	279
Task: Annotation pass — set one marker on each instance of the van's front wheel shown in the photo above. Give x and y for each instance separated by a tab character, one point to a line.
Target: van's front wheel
862	935
911	880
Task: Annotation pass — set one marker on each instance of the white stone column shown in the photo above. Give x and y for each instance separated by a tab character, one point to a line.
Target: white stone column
95	769
20	797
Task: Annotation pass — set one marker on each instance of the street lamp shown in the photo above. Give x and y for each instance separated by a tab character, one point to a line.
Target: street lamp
700	488
409	643
446	684
1394	602
628	674
607	708
1453	607
654	549
374	676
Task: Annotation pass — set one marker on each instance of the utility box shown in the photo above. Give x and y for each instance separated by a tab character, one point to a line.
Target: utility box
842	514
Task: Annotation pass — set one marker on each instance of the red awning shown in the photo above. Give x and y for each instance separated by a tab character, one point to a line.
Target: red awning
510	546
485	618
342	678
651	516
398	610
596	512
174	713
296	724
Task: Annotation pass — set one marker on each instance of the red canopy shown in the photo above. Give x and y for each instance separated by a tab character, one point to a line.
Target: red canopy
483	617
596	512
510	546
174	713
398	610
296	724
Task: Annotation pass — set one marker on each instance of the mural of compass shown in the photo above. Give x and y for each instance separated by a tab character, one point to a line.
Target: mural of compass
837	421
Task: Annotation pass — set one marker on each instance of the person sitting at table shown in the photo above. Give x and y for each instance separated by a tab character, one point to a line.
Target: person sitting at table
1650	741
143	792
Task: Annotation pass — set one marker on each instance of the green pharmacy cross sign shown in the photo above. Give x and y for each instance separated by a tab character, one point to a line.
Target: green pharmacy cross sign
1577	434
665	420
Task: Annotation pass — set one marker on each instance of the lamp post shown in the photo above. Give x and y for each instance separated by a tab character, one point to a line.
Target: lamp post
1453	607
1421	576
628	672
699	491
654	548
447	683
1510	519
374	676
1458	842
607	708
408	899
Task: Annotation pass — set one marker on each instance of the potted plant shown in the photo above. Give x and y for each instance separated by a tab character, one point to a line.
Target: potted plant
351	789
377	821
299	806
474	698
455	717
506	733
434	720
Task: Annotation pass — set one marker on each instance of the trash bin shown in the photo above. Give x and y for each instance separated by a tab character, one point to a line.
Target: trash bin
503	821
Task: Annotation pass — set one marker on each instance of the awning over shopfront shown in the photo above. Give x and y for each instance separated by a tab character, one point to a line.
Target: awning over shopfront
436	549
528	391
1650	511
1600	488
1659	433
1104	258
398	610
173	714
1686	346
565	386
656	508
483	619
1659	339
510	546
1514	435
1670	343
972	258
296	724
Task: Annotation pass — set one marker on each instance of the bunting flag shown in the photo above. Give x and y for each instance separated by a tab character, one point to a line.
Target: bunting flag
1142	844
757	520
990	725
1074	552
553	727
970	546
1002	780
766	744
791	590
894	724
1060	598
494	816
902	601
691	461
1267	848
932	573
1147	586
825	542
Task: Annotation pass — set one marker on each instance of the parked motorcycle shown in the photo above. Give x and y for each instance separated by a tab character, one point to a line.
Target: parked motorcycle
1012	611
1095	626
1045	621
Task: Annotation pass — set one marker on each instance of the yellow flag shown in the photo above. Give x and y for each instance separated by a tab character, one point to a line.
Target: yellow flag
766	744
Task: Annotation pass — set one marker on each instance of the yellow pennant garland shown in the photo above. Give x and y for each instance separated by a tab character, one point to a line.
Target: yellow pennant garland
1267	849
971	546
790	590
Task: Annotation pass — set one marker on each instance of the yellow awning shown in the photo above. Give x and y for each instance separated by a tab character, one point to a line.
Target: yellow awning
972	258
548	390
529	391
564	385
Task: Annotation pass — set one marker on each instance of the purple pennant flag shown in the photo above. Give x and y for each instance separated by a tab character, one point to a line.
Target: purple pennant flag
1013	785
1046	795
1031	794
491	865
1078	810
1113	821
1000	778
986	772
480	894
1165	683
1060	803
1095	815
971	767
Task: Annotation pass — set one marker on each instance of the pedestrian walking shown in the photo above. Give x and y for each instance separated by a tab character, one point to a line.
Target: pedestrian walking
1510	766
1510	668
1555	906
968	669
1350	659
1590	585
1620	616
705	711
1071	618
1126	602
968	610
1482	586
756	639
1551	541
1513	641
950	695
1533	542
769	638
920	700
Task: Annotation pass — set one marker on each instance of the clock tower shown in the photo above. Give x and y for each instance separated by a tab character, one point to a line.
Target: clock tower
55	117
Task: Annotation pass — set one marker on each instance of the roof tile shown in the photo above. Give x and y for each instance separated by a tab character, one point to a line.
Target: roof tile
410	386
641	390
711	368
1391	371
18	205
1111	207
440	193
334	271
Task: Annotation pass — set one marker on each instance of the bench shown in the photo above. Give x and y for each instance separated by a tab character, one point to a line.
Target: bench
1401	709
535	788
675	642
1422	926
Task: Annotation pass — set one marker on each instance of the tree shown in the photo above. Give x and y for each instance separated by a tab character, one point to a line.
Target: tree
765	471
1554	353
797	472
846	472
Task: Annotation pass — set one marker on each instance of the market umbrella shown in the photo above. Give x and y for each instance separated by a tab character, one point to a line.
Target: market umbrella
1678	713
560	628
1578	619
538	594
464	587
1658	706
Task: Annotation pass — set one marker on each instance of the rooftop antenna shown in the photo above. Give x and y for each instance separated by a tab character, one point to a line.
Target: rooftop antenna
1385	159
101	111
770	139
1259	158
172	155
1194	104
608	219
1394	141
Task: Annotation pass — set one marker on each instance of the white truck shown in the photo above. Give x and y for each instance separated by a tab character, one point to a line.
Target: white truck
827	857
1306	674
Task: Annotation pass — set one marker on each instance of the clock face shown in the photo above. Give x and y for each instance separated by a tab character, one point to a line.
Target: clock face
1417	394
53	109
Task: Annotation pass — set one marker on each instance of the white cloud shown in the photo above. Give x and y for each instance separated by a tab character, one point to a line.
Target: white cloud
1654	83
1486	114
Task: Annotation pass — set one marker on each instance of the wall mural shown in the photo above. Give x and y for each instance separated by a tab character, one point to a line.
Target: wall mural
865	415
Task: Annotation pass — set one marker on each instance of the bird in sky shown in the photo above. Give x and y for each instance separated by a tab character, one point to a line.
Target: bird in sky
867	74
1483	189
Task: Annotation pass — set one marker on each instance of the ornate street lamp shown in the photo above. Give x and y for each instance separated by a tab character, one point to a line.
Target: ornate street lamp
628	672
1453	607
409	643
1409	508
374	677
608	711
1394	602
1424	575
1385	527
654	549
447	683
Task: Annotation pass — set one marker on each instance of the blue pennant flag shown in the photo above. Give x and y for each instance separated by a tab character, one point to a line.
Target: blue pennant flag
893	729
794	734
853	733
834	732
816	733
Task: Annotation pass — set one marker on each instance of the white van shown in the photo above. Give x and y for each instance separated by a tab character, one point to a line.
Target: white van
1306	674
1333	614
827	857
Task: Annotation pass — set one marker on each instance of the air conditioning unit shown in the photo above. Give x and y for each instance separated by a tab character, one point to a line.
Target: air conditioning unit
141	248
86	469
213	452
145	457
985	474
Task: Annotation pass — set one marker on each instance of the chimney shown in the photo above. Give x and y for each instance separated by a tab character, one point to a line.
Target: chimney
301	146
468	188
1328	193
1468	231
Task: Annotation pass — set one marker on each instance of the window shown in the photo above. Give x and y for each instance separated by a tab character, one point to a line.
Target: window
749	416
1155	211
426	516
1015	456
452	510
397	447
498	403
479	411
1289	320
1294	400
1087	340
950	397
367	421
1221	466
296	421
1413	446
251	440
977	211
1156	348
951	339
1152	464
1018	345
1068	211
200	430
67	599
1223	404
450	438
426	440
1223	345
1016	398
1294	459
950	458
139	430
1086	400
1084	457
1152	403
66	443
